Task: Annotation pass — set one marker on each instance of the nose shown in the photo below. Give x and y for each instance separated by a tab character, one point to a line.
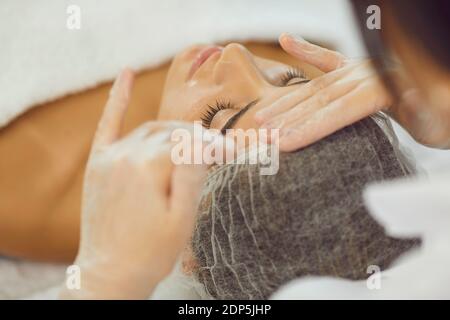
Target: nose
237	68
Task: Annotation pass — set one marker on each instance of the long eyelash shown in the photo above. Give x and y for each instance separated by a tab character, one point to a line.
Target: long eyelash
212	110
291	73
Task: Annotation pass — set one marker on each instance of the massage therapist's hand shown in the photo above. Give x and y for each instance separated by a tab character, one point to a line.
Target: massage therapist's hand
138	208
346	93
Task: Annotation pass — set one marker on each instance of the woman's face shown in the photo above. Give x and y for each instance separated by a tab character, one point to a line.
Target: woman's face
224	86
215	84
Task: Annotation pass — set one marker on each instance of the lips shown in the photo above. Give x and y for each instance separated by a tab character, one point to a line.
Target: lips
201	58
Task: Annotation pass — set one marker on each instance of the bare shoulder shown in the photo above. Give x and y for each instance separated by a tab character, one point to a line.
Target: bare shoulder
44	153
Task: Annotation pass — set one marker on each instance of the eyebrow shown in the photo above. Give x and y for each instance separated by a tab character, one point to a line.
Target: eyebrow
231	122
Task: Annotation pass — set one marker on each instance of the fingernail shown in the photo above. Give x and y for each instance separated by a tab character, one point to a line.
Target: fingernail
273	135
260	116
295	37
284	138
123	83
128	78
273	124
115	85
285	133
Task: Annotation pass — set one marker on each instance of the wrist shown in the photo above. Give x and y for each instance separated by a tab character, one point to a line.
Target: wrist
110	282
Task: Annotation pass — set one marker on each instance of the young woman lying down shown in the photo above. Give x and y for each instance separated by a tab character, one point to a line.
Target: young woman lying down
254	232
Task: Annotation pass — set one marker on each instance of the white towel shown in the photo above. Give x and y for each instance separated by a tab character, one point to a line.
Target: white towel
41	59
19	279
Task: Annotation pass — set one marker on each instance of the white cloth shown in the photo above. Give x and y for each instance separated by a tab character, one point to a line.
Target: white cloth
41	59
19	279
178	286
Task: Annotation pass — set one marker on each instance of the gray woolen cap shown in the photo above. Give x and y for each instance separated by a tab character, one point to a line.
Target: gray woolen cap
255	233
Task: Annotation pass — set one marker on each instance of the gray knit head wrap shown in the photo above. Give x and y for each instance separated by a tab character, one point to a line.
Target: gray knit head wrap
256	232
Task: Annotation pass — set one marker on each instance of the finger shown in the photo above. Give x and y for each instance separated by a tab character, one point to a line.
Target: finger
188	178
340	113
150	129
304	92
195	144
157	151
311	105
162	168
110	124
187	184
324	59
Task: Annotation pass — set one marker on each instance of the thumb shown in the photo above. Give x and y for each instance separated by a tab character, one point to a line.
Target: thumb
110	124
186	188
188	179
324	59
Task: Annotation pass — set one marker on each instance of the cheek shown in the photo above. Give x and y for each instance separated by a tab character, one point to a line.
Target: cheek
168	109
187	103
176	98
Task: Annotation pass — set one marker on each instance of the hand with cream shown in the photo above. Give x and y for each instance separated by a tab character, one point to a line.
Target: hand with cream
138	207
348	91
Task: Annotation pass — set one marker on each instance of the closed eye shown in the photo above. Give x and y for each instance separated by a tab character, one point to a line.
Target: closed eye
230	123
212	110
292	76
220	105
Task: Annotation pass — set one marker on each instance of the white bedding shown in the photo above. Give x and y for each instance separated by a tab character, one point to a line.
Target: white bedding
48	60
40	60
20	279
